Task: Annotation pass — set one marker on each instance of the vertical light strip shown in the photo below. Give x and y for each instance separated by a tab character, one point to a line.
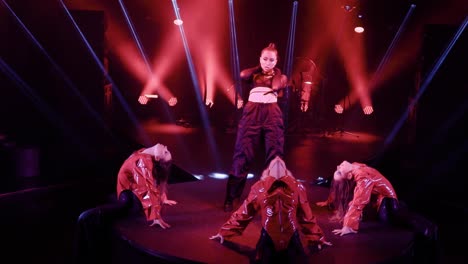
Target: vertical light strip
234	54
289	61
135	37
200	103
291	40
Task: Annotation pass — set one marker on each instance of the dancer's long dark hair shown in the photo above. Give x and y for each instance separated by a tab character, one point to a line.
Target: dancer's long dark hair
162	169
342	192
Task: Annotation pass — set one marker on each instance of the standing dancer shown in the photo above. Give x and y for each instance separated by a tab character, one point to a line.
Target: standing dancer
261	117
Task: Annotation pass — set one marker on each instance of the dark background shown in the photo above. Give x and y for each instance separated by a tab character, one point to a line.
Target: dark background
54	110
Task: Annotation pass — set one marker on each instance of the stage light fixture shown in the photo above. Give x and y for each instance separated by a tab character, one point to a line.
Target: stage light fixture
209	103
349	5
172	101
359	29
348	8
218	176
143	99
200	177
368	110
223	176
339	109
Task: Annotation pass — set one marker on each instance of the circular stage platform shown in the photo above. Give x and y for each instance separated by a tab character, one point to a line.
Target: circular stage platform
199	214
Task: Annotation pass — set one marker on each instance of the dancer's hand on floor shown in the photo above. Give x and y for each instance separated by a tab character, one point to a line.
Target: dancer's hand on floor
161	223
322	204
343	231
221	238
169	202
323	242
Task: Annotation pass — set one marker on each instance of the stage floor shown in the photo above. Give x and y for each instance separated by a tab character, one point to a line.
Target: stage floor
199	214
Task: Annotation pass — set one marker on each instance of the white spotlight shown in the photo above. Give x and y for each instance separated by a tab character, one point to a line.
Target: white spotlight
218	176
178	22
359	29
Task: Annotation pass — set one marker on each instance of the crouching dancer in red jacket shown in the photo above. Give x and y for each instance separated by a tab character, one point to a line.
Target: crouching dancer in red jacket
144	174
357	187
288	225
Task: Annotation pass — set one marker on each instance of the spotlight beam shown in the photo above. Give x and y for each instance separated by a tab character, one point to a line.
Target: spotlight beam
193	75
425	83
376	75
353	64
140	48
121	99
135	36
391	46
